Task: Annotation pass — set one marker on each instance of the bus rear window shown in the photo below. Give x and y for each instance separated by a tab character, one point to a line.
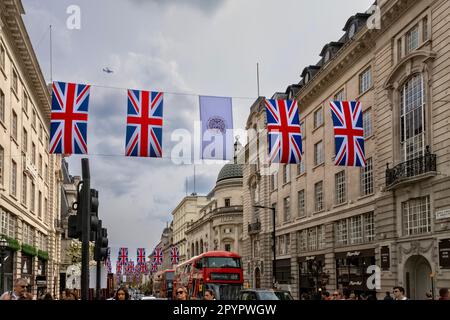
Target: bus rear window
222	262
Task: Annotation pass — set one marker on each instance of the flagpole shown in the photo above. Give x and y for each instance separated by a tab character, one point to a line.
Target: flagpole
257	76
194	181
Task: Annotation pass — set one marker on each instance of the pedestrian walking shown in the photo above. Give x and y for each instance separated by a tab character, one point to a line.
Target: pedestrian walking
182	293
19	292
209	295
388	296
399	293
122	294
443	294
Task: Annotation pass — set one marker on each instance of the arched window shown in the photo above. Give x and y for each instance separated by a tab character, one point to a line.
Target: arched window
412	118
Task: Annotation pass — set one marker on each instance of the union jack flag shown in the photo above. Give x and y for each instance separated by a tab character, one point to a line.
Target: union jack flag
140	256
175	255
283	126
348	133
118	267
157	256
144	124
144	268
154	267
130	267
123	256
69	117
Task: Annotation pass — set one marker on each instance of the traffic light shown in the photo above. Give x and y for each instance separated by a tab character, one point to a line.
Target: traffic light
101	243
74	224
93	215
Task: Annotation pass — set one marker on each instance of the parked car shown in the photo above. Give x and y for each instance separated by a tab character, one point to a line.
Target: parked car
258	294
283	294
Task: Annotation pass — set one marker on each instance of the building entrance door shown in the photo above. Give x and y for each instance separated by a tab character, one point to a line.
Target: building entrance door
417	277
257	278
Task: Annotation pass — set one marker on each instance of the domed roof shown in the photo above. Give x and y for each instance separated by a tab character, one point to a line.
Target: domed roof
230	170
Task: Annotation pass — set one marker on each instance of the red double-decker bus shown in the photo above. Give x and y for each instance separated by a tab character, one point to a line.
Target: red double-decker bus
163	283
220	271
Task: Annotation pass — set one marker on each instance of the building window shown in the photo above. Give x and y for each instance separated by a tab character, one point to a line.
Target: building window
356	230
367	178
2	57
287	209
33	119
318	153
287	248
274	180
321	237
14	125
301	166
2	164
25	102
33	153
40	165
318	196
24	188
41	130
365	80
339	96
13	178
15	81
399	49
312	239
2	106
46	213
227	202
369	227
27	234
318	118
341	232
416	216
25	141
274	205
412	39
301	240
286	173
301	203
255	248
412	119
425	29
40	205
32	196
7	224
341	195
367	123
46	173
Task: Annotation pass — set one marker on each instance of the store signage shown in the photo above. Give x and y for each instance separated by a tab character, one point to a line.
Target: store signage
444	254
443	214
385	258
353	254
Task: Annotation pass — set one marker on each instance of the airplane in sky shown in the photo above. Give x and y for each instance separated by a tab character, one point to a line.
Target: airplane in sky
107	70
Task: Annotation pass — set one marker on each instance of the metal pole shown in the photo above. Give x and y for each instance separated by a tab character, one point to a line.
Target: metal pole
2	257
274	249
98	279
85	222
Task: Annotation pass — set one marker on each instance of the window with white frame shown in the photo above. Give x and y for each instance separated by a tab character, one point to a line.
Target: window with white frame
288	243
339	96
412	39
301	240
367	178
318	118
7	224
356	235
416	216
412	117
425	29
286	173
369	227
2	57
301	166
24	188
367	123
14	125
27	234
32	196
312	239
2	106
341	232
318	153
15	81
318	196
287	209
25	140
301	204
321	237
13	178
2	164
341	195
365	80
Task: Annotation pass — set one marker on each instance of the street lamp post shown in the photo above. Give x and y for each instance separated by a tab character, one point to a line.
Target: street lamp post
3	246
273	244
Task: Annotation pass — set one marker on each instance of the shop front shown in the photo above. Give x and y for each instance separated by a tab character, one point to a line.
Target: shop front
27	270
351	271
41	278
312	277
8	263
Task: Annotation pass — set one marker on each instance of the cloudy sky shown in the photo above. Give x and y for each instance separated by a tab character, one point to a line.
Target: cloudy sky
185	48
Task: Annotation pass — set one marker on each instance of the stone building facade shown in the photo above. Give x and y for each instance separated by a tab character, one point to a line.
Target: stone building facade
334	223
30	178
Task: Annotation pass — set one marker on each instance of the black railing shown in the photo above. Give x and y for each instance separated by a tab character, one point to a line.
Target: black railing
254	227
410	169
